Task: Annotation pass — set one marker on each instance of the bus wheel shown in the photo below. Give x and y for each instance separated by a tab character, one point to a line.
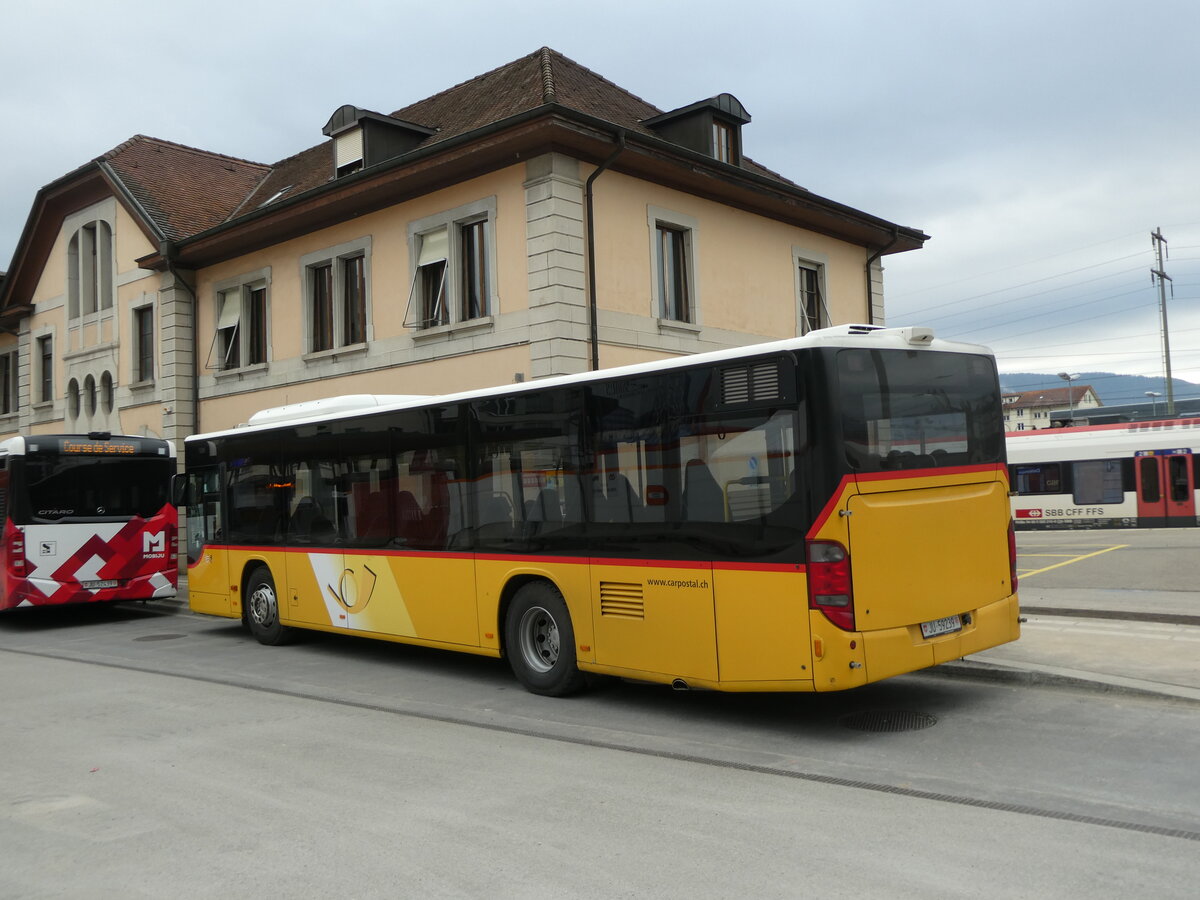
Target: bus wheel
262	609
540	641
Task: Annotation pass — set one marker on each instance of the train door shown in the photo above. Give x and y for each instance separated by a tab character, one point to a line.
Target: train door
1166	487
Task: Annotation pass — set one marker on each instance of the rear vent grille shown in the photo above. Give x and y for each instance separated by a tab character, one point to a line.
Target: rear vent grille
621	600
751	384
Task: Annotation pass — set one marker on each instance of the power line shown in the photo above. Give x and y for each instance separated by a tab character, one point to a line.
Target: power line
1014	287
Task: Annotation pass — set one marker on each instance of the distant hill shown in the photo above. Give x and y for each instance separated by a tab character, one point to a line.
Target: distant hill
1112	389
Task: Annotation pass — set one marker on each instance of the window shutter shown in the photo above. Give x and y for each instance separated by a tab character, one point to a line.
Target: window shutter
348	147
435	247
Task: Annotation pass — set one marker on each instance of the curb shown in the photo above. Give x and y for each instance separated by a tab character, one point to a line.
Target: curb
1032	674
1119	614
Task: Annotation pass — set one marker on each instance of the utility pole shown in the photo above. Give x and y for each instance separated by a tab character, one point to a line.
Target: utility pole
1160	276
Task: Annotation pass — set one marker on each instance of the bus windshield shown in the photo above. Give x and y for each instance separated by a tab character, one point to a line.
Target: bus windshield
60	488
909	409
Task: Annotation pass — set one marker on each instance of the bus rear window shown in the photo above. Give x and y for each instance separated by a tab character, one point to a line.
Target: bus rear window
911	409
65	488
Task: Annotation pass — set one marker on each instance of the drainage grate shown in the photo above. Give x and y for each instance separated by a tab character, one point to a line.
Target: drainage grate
159	637
887	720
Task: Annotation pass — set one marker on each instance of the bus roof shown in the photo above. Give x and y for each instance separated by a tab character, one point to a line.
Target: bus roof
847	336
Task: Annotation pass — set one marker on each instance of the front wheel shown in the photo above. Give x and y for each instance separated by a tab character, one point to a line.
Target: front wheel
262	609
540	641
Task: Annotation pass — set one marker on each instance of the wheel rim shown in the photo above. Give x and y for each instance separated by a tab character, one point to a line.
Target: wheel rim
264	609
538	639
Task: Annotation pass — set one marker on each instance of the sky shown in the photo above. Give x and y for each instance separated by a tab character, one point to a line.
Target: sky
1038	143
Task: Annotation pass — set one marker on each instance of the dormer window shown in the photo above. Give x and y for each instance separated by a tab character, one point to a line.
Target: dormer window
348	152
362	138
722	141
712	127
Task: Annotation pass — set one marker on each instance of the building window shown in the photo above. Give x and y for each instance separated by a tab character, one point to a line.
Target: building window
337	290
73	400
429	283
143	342
320	290
106	392
722	140
89	395
354	306
90	269
813	312
453	274
9	395
473	240
45	352
674	249
673	282
241	338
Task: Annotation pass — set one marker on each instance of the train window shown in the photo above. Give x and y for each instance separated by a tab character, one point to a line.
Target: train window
1097	481
1150	489
1040	479
1177	479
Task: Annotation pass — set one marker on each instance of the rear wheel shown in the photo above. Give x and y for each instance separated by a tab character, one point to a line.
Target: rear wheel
540	641
262	609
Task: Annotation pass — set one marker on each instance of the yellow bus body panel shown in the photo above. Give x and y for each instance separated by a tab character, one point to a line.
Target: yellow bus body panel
656	618
495	574
922	547
933	551
762	626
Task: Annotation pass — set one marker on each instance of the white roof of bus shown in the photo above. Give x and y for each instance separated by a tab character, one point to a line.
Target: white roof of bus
863	336
1100	441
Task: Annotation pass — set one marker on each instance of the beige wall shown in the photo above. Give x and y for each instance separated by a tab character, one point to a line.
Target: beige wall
437	377
391	275
744	263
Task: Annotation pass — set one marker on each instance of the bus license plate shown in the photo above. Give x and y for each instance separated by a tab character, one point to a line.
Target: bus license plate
941	626
109	583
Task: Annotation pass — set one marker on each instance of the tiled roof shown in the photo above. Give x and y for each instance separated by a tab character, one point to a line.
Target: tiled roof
184	190
1055	397
542	77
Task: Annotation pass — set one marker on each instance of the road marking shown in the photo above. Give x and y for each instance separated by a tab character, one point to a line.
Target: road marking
1074	560
1061	555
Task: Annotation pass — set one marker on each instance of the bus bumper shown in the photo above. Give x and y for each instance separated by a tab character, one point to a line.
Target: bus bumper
849	659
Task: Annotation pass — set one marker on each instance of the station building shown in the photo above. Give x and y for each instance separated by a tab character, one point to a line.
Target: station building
535	220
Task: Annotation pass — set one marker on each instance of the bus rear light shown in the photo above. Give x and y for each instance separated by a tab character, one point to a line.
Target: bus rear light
830	587
16	554
173	544
1012	555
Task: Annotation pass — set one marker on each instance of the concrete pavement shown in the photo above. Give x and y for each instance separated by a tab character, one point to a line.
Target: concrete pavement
1144	642
1113	640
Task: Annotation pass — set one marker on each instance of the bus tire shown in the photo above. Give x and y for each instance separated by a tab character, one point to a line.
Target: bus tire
540	641
262	609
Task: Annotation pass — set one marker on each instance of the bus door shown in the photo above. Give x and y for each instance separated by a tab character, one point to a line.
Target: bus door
208	580
319	590
1166	487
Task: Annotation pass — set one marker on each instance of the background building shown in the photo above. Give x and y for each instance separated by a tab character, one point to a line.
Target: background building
532	221
1031	410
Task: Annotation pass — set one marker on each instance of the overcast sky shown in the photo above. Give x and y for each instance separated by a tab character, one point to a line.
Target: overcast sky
1038	143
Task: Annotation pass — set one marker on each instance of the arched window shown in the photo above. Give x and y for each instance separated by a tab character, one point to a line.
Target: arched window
106	392
90	269
89	390
73	399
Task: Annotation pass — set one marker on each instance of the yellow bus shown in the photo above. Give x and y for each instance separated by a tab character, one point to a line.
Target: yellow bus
807	515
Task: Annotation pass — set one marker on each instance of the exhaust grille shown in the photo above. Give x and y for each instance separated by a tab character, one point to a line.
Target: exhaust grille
621	600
